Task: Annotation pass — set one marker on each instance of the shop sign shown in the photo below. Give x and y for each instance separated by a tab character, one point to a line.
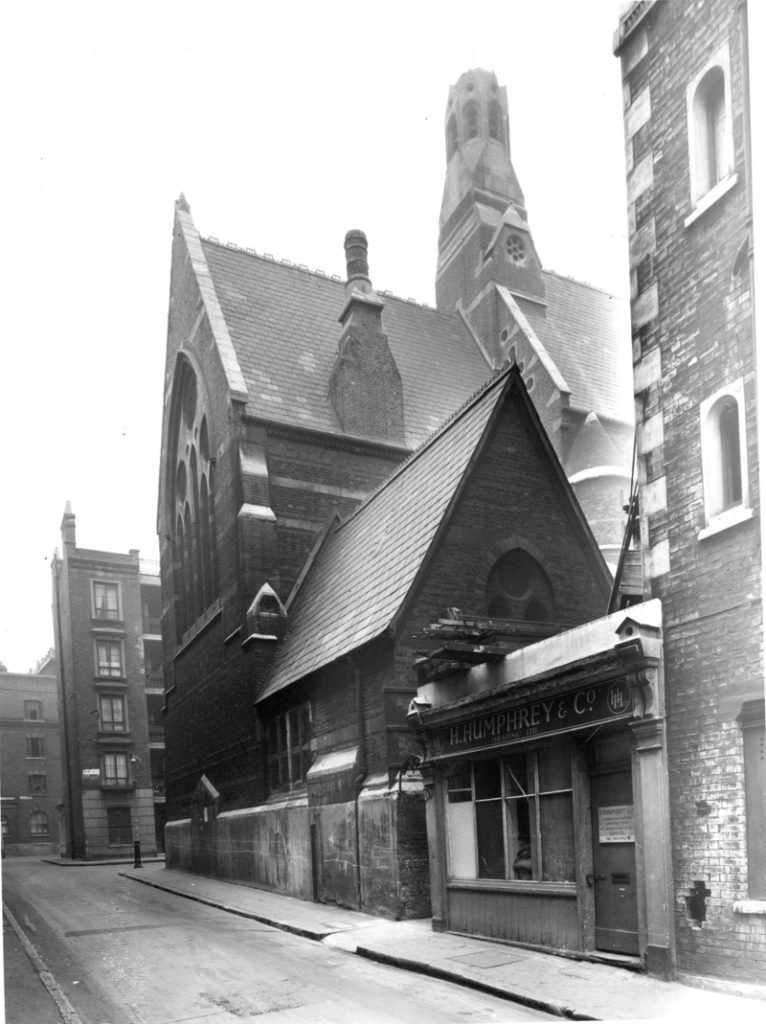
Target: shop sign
615	824
589	705
89	773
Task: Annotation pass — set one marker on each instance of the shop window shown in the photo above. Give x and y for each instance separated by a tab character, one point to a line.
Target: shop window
289	748
119	827
33	710
35	746
710	133
38	783
114	769
724	466
111	713
512	818
518	588
5	826
106	601
109	659
38	823
754	748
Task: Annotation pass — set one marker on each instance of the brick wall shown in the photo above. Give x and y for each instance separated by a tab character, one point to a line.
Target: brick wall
692	334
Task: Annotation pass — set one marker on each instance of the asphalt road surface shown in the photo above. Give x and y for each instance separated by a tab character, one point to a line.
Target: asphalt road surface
124	953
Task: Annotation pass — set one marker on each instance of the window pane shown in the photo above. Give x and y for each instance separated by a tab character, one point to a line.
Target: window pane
486	777
557	835
460	839
459	788
519	838
516	781
554	767
119	825
38	824
489	839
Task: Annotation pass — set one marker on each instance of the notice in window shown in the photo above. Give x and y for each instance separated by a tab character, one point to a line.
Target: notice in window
615	824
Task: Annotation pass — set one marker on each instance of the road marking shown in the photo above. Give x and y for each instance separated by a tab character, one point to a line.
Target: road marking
68	1012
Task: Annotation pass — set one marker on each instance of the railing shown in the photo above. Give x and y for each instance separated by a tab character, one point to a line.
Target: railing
156	733
152	626
155	677
158	787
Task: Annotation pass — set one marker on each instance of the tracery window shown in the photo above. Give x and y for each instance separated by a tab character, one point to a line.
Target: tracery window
518	588
191	490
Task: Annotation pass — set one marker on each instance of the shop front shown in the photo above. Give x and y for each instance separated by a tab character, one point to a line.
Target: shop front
547	796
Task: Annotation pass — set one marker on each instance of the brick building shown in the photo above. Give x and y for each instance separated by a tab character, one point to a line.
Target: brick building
687	129
30	761
290	399
106	618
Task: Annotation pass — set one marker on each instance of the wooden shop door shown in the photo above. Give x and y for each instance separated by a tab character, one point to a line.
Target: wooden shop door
614	862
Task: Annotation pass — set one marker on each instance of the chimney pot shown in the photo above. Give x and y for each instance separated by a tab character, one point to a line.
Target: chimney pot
357	268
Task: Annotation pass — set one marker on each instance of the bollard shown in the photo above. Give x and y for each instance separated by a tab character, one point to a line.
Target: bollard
137	853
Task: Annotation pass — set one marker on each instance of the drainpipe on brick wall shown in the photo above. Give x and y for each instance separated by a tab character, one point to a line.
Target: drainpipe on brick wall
63	722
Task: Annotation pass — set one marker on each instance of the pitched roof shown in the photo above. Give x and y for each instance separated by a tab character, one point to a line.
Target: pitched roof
283	322
587	334
361	575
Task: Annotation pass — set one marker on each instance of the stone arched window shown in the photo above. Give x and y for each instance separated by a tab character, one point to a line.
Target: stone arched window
471	119
451	136
724	467
191	498
711	149
495	121
518	588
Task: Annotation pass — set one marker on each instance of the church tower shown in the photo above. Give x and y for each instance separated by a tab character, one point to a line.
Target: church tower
484	236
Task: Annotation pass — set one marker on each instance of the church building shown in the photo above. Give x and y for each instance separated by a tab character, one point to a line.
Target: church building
345	476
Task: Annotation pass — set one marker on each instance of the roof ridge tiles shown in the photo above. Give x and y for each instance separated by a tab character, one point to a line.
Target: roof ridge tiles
432	438
583	284
285	262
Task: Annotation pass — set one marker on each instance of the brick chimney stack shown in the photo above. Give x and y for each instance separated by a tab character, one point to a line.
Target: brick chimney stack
68	529
365	384
357	267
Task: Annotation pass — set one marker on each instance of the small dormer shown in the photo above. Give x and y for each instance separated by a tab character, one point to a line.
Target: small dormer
266	616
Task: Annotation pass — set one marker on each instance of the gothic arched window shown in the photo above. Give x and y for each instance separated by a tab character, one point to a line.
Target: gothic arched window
451	136
471	119
495	121
192	501
518	588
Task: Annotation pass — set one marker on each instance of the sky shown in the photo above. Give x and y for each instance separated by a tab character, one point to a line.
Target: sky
284	126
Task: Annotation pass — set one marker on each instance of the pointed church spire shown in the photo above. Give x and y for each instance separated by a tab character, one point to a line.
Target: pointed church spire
483	230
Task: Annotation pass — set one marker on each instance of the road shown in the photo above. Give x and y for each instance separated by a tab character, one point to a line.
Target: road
124	953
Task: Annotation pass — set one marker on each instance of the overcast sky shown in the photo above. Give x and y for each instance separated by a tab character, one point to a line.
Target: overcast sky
284	126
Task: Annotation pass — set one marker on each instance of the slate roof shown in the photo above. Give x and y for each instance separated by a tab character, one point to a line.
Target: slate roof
587	333
283	323
366	566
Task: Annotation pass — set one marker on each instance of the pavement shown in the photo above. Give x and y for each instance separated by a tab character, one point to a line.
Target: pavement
574	988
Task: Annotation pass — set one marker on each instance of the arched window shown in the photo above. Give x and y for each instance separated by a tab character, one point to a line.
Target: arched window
724	469
191	501
518	588
495	121
709	122
451	136
471	119
38	823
